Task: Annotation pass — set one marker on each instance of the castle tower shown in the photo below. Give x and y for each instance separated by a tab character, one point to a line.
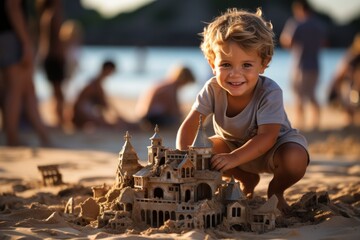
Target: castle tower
201	148
156	149
236	210
232	191
128	164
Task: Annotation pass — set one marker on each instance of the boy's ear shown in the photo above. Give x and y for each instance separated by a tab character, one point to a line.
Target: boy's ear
264	64
212	66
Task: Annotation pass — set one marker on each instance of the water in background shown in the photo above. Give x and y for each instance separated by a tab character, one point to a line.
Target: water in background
139	68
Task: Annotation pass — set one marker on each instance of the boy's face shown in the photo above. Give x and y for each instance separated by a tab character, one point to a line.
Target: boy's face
237	71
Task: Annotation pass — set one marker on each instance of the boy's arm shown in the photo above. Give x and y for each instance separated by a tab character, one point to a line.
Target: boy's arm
186	133
255	147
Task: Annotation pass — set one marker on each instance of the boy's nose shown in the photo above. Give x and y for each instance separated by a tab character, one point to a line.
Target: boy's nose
236	72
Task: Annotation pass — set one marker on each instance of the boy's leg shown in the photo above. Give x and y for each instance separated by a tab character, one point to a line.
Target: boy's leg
290	161
32	111
249	180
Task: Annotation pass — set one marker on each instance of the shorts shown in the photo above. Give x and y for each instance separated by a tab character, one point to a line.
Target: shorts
265	163
10	49
304	84
55	69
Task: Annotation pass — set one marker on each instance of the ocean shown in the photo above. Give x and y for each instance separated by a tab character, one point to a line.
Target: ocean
139	68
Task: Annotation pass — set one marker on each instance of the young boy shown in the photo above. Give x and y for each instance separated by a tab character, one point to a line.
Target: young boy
252	132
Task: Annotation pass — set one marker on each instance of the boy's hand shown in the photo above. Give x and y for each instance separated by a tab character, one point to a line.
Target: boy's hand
223	162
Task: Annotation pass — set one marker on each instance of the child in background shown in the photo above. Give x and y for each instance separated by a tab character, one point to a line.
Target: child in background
160	104
252	132
92	103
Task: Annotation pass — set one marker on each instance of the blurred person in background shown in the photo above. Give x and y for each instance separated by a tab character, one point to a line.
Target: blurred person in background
71	34
17	69
52	51
345	85
304	35
92	104
160	104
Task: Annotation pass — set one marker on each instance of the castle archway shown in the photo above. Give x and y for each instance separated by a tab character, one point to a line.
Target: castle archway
203	191
158	193
187	195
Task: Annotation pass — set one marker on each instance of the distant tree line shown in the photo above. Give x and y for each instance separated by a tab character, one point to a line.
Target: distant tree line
177	23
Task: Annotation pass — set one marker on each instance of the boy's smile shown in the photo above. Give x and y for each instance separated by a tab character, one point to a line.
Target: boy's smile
236	70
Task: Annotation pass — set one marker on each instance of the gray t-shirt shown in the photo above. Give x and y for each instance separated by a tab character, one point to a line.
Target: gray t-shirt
265	107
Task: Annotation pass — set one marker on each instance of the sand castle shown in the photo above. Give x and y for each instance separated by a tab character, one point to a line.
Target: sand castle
176	190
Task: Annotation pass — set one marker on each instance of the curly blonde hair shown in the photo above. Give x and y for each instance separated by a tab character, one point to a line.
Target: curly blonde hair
249	30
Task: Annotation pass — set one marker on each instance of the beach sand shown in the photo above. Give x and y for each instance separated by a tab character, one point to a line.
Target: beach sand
85	159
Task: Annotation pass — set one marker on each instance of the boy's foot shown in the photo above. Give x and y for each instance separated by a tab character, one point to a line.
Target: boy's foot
283	206
249	184
248	180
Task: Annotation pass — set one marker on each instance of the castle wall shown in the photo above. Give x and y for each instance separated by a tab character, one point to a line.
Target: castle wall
155	212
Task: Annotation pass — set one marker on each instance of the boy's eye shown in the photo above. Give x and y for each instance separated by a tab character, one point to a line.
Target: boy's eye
247	65
225	65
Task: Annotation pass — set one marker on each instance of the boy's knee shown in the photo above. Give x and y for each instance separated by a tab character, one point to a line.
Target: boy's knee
291	158
219	146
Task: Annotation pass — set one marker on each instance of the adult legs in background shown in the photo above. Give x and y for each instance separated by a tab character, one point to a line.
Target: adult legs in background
304	87
12	103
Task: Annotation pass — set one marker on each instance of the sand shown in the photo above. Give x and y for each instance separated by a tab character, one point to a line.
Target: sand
85	159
